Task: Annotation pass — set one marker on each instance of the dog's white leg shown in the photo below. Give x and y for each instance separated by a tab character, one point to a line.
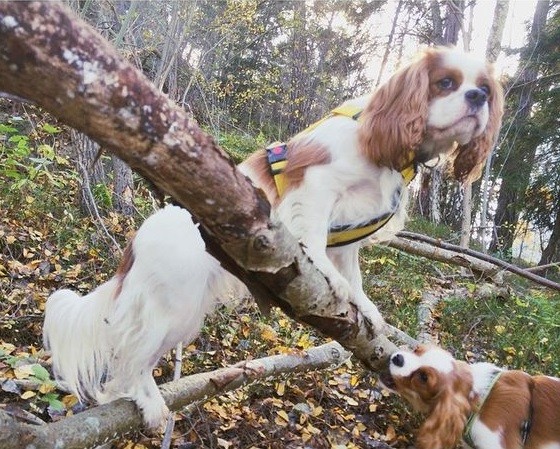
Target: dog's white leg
148	398
306	213
346	259
143	390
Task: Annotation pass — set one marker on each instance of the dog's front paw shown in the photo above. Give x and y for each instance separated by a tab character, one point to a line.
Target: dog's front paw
155	415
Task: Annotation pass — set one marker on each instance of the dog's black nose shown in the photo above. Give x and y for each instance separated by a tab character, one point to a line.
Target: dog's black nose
476	97
398	360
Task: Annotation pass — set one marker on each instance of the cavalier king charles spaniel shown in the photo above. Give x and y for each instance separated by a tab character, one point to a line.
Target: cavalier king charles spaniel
486	406
336	185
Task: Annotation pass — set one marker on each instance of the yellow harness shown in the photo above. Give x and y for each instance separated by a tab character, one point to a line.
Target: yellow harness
339	235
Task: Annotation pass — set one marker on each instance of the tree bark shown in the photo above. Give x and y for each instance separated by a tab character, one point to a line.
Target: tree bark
63	65
456	259
552	250
123	188
435	252
389	44
89	167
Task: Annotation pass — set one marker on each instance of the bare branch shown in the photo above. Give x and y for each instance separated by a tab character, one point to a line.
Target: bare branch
104	423
471	254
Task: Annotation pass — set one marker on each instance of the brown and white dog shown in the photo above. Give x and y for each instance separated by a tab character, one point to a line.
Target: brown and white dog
490	408
342	173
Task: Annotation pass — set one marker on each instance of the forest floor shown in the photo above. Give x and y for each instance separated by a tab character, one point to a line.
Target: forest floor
46	243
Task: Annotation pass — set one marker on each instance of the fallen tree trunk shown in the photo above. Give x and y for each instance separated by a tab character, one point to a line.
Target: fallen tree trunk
99	425
434	252
471	254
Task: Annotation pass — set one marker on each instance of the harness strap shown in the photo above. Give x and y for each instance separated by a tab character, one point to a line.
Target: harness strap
339	235
277	160
526	425
467	434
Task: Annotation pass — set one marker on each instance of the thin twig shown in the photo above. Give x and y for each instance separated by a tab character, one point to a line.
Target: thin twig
166	442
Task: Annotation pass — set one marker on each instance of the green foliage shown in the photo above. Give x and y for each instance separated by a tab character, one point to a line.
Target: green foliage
240	145
24	376
521	332
422	225
31	166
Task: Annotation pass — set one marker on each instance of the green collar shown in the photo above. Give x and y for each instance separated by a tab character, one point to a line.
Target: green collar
467	434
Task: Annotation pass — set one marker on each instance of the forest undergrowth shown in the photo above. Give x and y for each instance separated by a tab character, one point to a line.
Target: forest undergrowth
47	243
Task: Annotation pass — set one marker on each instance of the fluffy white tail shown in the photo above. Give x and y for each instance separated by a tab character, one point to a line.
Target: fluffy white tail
105	345
76	333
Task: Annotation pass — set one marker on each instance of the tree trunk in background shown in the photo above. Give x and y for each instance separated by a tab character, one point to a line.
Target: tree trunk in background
388	45
123	188
454	18
107	21
430	195
299	64
166	75
516	169
551	253
493	47
89	167
437	23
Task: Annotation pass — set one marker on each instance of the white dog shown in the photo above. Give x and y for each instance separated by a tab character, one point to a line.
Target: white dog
334	185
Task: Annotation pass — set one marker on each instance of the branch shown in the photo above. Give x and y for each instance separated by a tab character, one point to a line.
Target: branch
63	65
99	425
436	252
483	257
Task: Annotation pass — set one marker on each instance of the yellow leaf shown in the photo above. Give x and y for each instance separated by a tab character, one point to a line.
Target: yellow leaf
317	411
372	408
283	415
510	350
29	199
351	401
304	342
46	387
313	430
268	333
10	239
28	394
280	388
23	372
69	400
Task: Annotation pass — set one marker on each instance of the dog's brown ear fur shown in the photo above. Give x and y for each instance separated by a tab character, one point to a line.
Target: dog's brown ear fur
394	121
446	423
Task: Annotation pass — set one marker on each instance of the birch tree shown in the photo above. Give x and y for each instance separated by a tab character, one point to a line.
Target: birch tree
516	157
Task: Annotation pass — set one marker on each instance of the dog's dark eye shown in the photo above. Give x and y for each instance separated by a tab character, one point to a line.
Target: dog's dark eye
422	376
446	84
485	88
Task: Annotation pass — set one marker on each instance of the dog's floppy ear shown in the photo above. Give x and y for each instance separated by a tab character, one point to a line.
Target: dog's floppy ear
395	118
470	158
444	427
